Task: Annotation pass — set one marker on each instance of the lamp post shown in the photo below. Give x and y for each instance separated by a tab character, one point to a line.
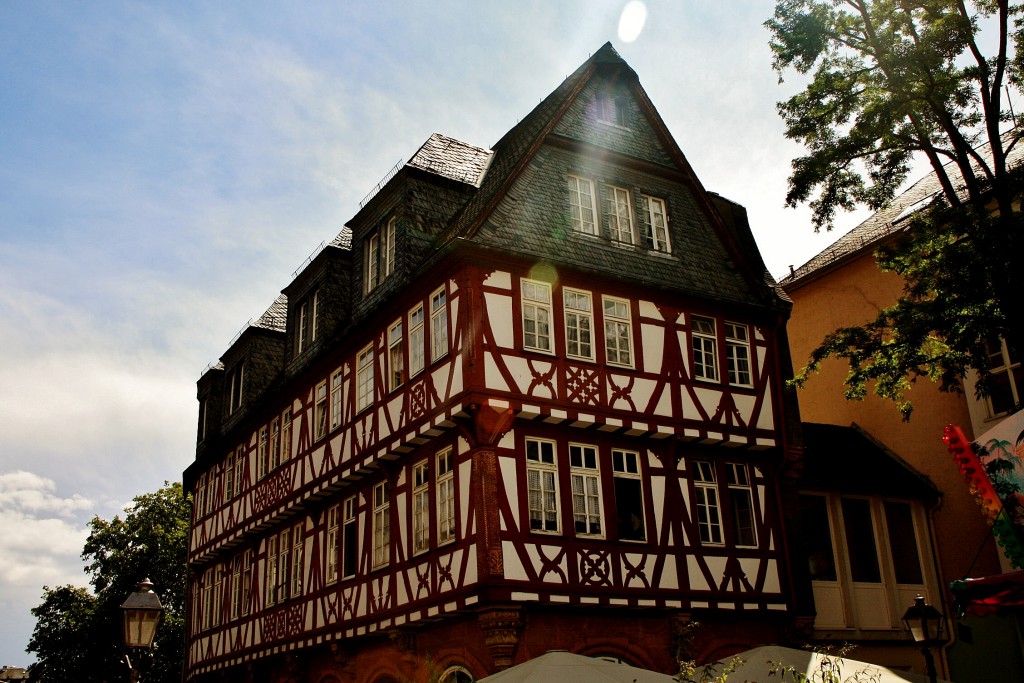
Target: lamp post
142	611
925	624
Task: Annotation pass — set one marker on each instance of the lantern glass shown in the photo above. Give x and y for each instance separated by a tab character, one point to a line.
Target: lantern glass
142	612
924	622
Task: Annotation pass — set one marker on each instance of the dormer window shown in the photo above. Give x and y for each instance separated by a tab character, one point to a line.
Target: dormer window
379	255
306	316
611	108
235	379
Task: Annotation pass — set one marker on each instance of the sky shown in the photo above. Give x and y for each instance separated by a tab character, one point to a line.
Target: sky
166	167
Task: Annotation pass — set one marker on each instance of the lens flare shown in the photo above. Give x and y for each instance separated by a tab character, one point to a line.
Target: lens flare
631	23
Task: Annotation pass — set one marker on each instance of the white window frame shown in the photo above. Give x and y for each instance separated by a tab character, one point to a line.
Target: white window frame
275	443
229	476
286	435
396	356
618	328
535	300
583	212
578	306
297	560
626	467
235	610
240	463
704	342
420	507
741	503
246	581
337	392
585	478
372	263
1001	364
656	223
737	352
381	525
620	216
349	529
438	324
364	378
200	498
417	341
611	108
542	485
321	411
270	573
331	544
708	504
445	491
388	247
235	390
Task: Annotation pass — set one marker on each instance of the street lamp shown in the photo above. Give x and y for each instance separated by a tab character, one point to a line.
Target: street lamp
925	624
142	612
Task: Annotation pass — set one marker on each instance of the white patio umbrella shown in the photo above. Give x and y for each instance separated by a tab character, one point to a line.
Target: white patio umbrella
756	665
559	666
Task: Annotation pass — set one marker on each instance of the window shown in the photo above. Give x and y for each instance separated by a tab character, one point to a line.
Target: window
866	558
364	378
270	579
286	435
741	503
709	522
306	322
284	564
579	324
655	224
211	493
236	588
619	214
536	315
331	570
229	476
629	499
737	350
235	379
336	389
586	489
704	348
246	580
396	363
380	255
275	443
617	332
416	341
298	546
211	597
240	464
611	108
1006	389
204	408
381	525
320	410
581	204
262	462
349	538
420	507
438	324
456	674
542	487
200	499
445	497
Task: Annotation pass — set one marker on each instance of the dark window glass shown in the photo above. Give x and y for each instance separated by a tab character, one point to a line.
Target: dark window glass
820	555
629	508
860	541
906	561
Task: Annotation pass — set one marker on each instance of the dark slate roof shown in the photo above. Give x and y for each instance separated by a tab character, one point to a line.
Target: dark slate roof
451	158
275	317
890	220
850	460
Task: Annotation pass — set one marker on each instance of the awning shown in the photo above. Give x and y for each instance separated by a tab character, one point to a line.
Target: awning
559	666
758	663
999	594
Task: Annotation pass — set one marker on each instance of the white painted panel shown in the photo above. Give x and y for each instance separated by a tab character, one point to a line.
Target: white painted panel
684	350
771	578
395	410
695	575
641	393
750	566
457	382
766	420
716	565
870	606
709	398
745	406
652	344
828	601
685	490
499	314
499	279
657	505
689	407
493	377
510	483
669	575
471	575
465	472
649	310
664	407
523	376
514	569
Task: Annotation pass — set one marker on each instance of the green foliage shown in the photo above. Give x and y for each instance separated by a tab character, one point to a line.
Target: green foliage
78	635
892	80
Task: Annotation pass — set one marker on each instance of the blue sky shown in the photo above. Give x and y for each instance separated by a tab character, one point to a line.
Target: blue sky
165	167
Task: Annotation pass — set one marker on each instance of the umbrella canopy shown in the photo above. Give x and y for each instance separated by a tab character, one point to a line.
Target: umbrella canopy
559	666
756	665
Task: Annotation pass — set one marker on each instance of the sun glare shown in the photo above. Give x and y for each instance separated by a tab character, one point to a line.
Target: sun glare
631	23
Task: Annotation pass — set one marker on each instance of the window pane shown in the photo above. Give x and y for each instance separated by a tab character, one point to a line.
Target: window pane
818	534
906	561
860	541
629	509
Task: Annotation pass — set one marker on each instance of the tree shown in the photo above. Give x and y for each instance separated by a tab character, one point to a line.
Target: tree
78	635
891	81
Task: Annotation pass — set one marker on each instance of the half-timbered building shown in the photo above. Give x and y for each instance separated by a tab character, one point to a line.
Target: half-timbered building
531	397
